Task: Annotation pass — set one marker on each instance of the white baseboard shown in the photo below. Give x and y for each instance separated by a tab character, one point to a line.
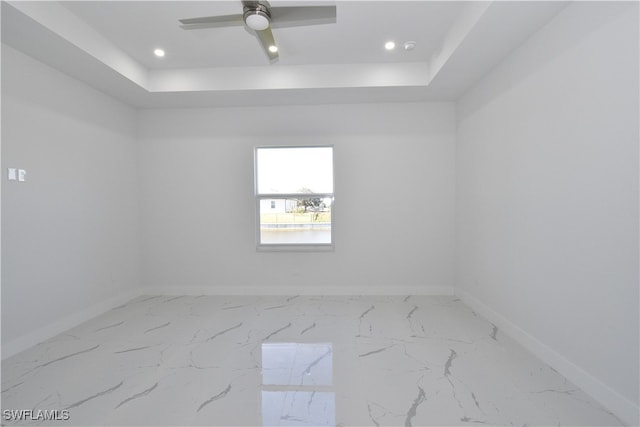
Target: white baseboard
619	405
39	335
302	290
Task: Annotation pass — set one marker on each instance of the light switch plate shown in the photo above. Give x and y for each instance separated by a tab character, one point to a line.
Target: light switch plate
12	174
22	175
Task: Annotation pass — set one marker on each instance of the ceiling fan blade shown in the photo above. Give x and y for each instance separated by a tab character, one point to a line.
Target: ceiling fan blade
266	40
211	22
296	16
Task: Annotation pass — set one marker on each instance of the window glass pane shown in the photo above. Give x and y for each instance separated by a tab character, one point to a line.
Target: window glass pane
294	170
305	220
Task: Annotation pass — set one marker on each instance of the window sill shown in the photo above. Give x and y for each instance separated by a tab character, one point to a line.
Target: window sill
295	248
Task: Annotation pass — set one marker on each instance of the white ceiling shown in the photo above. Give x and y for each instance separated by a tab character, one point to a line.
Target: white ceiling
109	45
136	27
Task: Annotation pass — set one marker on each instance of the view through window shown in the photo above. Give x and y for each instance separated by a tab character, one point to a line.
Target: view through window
294	195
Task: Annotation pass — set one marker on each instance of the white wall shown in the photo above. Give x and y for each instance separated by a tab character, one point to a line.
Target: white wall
393	217
547	197
70	232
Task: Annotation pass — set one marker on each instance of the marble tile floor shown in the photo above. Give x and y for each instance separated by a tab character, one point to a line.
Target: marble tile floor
289	361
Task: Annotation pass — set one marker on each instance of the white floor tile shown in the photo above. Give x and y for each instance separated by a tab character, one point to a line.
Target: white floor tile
290	361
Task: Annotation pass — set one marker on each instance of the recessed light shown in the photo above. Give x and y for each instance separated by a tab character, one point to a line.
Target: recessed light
273	48
159	53
409	45
389	45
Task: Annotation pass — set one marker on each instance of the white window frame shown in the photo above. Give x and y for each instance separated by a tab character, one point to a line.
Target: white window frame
292	247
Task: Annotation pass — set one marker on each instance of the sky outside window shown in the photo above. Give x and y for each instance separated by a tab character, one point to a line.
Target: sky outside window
289	170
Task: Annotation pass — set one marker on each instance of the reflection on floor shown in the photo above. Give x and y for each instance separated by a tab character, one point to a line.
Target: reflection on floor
304	368
311	361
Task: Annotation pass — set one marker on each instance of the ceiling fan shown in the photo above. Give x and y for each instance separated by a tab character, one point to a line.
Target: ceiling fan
259	17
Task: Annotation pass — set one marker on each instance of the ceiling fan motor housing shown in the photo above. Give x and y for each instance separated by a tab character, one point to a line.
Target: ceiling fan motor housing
257	17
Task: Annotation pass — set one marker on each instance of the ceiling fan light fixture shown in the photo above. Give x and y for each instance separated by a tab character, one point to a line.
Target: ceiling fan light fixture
257	18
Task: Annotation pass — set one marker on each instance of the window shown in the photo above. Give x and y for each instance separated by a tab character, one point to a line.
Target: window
294	197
